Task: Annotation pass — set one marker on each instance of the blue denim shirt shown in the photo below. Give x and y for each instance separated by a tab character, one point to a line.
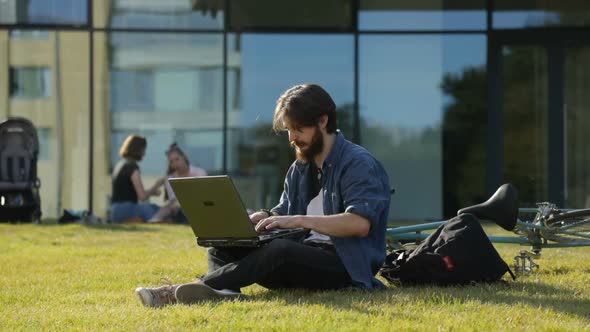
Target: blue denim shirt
355	182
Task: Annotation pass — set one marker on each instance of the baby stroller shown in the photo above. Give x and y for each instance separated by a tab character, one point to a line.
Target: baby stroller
19	185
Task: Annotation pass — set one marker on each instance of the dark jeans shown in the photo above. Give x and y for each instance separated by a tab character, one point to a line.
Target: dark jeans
279	264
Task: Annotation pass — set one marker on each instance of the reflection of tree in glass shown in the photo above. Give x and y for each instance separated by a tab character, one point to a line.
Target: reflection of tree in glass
464	134
272	155
346	120
524	132
577	120
525	122
208	6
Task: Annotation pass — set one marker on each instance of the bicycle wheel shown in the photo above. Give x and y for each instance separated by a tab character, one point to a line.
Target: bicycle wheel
571	226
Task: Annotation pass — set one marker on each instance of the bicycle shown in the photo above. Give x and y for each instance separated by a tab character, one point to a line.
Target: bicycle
551	227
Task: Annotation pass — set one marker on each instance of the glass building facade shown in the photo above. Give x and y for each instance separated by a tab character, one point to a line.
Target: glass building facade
454	97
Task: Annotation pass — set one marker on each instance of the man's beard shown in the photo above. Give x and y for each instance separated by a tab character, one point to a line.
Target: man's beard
307	152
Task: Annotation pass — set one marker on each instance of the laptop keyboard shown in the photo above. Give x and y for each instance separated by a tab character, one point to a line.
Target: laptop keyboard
273	231
276	231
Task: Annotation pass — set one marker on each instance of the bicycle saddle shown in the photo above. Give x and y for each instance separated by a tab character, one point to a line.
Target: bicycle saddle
501	208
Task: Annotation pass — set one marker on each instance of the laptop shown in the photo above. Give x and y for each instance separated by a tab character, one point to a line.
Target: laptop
217	215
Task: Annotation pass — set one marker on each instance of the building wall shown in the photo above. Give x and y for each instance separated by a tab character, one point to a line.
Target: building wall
102	127
4	68
64	113
74	94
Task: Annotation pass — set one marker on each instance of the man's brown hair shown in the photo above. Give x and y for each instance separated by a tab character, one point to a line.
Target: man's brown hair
302	106
133	147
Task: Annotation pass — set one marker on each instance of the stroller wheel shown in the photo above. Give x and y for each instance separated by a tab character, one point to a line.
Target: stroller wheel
36	217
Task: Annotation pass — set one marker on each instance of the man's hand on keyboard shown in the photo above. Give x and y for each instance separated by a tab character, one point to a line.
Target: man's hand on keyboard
278	222
257	216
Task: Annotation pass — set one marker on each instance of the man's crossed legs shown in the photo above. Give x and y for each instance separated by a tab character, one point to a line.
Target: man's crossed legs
278	265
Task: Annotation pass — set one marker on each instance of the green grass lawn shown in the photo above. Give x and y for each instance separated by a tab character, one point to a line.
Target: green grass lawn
77	277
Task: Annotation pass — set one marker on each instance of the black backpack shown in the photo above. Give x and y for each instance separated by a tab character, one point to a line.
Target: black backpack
458	252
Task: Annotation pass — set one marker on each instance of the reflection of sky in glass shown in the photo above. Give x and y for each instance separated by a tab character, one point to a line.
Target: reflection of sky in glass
422	20
405	73
471	19
57	11
522	19
272	63
402	106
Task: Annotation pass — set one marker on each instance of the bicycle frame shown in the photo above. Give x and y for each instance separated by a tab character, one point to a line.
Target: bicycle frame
413	233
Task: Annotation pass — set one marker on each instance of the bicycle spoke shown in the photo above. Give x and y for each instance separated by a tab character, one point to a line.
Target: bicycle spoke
569	227
583	222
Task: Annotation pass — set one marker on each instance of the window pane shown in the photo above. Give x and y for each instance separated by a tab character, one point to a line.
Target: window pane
45	143
259	14
525	70
422	113
422	15
71	12
577	120
258	158
56	99
29	34
132	90
167	87
29	82
177	14
538	13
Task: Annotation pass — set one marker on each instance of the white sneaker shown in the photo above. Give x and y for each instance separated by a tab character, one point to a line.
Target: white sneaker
199	292
156	297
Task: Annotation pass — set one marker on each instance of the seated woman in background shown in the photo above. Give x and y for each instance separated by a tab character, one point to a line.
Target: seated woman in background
178	166
128	196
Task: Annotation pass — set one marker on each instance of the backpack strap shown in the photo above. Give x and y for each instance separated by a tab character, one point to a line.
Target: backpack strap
511	273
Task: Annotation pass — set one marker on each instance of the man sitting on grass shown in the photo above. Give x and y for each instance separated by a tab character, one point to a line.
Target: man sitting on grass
335	188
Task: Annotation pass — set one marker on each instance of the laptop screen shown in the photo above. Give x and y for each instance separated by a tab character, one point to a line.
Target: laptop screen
213	207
